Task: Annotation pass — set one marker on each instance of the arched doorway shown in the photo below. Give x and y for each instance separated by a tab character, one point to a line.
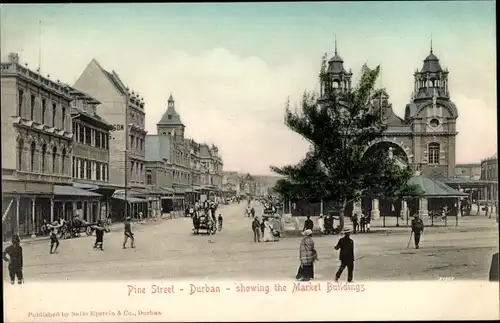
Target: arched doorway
387	207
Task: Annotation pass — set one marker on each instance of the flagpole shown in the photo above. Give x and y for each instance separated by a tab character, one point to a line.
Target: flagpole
40	46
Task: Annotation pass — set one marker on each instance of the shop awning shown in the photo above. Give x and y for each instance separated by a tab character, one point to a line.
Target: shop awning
73	191
190	190
130	199
85	186
434	188
168	190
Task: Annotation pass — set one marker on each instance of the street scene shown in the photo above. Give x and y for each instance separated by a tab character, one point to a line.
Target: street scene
167	249
299	142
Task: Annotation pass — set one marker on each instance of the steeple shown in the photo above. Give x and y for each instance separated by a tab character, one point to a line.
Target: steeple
170	117
335	77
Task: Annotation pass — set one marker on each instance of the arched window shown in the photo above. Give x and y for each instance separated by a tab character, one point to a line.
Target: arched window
336	84
434	148
54	113
32	156
54	159
63	160
32	107
20	152
63	118
44	109
20	103
44	152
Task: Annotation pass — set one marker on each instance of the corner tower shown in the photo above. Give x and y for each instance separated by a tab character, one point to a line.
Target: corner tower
170	123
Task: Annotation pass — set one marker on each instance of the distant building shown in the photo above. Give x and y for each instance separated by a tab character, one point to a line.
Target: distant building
472	171
489	173
196	167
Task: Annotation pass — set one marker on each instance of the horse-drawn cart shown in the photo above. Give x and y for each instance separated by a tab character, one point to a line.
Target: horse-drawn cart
75	227
204	223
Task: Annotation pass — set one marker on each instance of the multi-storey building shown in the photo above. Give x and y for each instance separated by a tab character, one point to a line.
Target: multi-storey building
36	145
196	168
489	174
471	171
124	109
91	155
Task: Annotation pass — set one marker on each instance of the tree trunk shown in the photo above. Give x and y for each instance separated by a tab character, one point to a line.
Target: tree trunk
341	215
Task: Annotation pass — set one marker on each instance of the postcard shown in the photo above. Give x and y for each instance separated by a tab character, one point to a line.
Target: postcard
309	161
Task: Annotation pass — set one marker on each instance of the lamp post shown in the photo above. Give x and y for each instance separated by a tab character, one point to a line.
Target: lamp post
126	168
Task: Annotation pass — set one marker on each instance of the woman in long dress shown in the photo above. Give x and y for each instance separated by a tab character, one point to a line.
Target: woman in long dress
308	256
268	233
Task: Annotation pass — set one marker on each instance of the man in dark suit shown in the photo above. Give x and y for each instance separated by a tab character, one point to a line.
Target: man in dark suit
346	246
417	227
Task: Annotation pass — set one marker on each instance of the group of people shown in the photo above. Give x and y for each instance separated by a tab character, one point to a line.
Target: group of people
205	212
361	223
308	256
267	230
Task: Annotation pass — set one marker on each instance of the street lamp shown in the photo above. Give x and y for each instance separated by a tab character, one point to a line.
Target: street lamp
126	168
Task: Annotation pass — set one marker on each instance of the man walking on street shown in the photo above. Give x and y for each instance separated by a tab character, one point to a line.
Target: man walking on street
128	234
346	246
256	230
308	224
417	227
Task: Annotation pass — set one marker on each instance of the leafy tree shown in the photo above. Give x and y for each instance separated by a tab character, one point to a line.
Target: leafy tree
340	126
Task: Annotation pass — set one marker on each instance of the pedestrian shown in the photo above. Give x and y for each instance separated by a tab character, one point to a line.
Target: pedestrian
417	227
346	257
355	222
368	219
53	231
321	224
362	223
252	212
308	224
256	229
128	234
15	260
99	235
140	217
219	221
328	224
308	256
262	226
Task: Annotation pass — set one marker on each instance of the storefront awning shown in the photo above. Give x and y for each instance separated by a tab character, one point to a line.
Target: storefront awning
190	190
85	186
73	191
130	199
434	188
168	190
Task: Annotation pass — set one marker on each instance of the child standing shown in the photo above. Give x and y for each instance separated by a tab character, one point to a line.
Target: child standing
15	260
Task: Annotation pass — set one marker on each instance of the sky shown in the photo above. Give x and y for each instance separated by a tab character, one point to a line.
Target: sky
231	66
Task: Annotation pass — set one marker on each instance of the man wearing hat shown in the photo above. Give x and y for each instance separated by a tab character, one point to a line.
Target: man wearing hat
346	246
417	227
15	260
128	234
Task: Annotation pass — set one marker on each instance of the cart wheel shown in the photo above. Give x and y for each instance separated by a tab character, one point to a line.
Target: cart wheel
89	231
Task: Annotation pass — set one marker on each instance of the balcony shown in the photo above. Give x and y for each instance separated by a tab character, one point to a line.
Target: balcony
40	177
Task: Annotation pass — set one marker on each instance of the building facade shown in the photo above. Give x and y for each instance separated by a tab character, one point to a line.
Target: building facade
489	174
196	169
471	171
124	109
90	156
37	143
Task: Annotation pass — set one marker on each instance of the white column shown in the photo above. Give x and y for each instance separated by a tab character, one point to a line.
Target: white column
404	209
64	210
51	209
33	235
423	211
321	208
375	214
18	204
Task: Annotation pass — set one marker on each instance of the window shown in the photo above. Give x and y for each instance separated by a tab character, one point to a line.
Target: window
20	102
54	160
44	152
88	136
98	139
54	113
169	117
131	141
32	106
89	170
63	161
106	172
149	178
20	151
434	153
83	163
63	118
32	156
81	129
73	174
98	172
44	110
103	140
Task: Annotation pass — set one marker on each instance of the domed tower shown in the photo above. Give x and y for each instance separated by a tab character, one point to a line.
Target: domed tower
432	116
171	124
334	77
